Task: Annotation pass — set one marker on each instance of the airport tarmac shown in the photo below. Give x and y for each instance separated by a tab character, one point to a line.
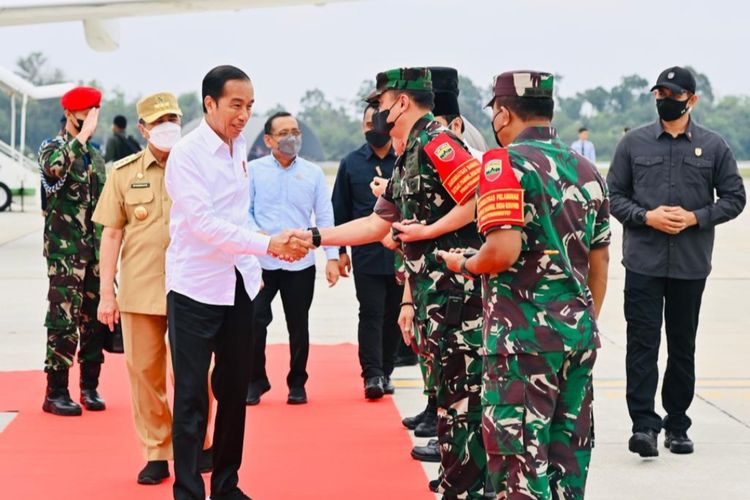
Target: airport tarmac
720	412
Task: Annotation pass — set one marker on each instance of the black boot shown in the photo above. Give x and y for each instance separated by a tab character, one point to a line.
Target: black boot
428	453
57	401
90	398
411	423
428	426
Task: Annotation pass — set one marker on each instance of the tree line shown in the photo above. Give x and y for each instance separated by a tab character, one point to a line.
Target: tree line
606	112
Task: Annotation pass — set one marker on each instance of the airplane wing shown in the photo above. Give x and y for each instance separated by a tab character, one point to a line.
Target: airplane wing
99	17
49	11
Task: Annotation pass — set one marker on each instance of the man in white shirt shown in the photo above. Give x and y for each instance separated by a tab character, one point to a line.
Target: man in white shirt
212	276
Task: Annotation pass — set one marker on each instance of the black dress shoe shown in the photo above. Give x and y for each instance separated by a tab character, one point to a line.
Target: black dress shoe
374	388
91	400
388	386
154	472
644	443
434	485
235	494
206	461
58	402
255	391
297	396
428	426
428	453
678	442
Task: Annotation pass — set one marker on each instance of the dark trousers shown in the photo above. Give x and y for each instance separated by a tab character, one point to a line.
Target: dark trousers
296	289
379	297
197	330
647	301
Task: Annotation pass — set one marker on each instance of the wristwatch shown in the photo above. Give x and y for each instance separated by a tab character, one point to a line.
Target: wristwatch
640	216
465	272
315	236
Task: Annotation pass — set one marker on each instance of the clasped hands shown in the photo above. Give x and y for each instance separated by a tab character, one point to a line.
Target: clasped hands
670	219
290	245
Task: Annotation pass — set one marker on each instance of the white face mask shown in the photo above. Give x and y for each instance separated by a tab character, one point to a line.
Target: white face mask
165	135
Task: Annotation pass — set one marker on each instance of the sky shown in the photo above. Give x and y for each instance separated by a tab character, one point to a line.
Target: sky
288	50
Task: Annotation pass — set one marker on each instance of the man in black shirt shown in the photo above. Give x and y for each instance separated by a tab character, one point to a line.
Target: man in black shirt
670	183
120	145
378	293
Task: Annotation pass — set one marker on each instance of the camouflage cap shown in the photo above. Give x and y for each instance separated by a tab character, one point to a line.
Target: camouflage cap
416	79
153	107
523	83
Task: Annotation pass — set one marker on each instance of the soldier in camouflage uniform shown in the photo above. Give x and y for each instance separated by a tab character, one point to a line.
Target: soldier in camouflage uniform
73	175
434	176
544	212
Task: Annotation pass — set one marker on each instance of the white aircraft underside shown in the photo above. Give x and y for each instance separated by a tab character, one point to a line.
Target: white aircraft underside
100	17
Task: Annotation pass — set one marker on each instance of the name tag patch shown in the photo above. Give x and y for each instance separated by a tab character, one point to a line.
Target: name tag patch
140	185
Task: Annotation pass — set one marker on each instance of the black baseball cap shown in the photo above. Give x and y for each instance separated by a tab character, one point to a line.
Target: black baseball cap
676	79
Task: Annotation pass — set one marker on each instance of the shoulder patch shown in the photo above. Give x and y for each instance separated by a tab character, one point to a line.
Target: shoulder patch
457	168
128	159
500	194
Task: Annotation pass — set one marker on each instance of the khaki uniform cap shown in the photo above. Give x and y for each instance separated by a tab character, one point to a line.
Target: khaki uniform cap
153	107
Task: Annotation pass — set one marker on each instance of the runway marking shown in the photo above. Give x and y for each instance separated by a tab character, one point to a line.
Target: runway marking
6	417
722	410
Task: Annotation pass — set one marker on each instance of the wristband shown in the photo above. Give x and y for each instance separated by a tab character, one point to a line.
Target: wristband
407	304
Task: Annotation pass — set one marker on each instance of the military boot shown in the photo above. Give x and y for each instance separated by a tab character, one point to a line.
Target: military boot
428	426
411	423
57	401
90	398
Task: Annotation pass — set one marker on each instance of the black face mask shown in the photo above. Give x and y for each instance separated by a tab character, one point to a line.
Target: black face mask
670	109
376	139
496	132
78	123
380	123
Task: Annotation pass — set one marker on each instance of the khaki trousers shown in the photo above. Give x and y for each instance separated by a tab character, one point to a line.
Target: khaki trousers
148	360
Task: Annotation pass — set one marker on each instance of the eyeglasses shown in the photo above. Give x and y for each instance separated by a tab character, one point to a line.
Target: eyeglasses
286	133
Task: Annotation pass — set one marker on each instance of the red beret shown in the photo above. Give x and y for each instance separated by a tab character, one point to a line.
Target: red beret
81	98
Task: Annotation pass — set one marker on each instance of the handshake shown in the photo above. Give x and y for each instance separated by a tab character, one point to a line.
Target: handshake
291	245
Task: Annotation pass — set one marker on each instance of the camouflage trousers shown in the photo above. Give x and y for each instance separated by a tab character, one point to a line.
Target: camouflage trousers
425	359
457	371
73	300
538	423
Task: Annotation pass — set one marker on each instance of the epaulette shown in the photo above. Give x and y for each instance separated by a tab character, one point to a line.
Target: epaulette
128	159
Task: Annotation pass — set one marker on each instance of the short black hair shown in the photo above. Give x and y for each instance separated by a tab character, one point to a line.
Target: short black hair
370	106
214	81
120	122
450	118
528	108
582	129
423	99
268	127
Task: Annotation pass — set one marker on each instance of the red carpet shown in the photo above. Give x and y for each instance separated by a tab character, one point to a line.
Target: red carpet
336	447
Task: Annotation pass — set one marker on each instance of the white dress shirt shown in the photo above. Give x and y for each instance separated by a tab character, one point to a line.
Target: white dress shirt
209	230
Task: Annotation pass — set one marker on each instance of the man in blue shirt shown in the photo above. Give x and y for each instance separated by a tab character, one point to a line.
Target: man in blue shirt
583	146
378	293
285	191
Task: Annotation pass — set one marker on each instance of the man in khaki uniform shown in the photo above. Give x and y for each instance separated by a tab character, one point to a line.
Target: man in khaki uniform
134	210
